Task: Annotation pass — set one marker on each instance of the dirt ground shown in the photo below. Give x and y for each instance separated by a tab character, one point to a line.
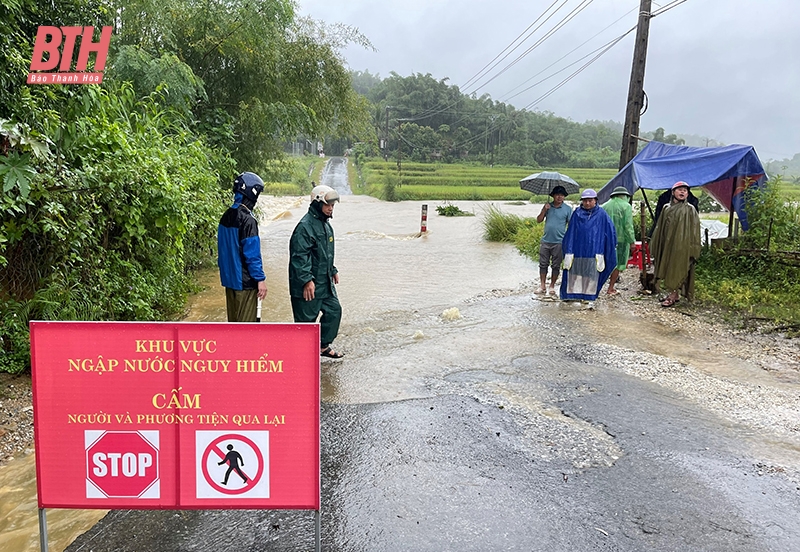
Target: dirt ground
16	416
769	350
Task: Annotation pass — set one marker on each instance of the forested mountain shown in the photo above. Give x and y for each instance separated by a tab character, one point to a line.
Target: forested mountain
425	119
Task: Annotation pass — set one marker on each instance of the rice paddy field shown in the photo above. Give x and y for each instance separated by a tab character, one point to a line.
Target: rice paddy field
457	181
424	181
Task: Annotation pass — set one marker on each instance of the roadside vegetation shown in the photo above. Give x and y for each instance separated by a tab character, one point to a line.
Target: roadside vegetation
450	210
111	193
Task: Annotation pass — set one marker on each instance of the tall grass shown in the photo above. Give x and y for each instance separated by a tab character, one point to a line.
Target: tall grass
499	226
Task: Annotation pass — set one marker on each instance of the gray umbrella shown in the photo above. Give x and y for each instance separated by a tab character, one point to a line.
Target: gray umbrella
543	183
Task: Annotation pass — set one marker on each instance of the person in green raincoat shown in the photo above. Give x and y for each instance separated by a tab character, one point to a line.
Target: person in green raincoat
619	209
676	246
312	274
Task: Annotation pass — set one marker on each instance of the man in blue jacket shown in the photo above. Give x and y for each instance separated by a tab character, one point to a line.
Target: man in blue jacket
239	251
312	274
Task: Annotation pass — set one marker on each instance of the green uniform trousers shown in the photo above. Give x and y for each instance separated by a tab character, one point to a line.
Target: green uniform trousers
307	311
241	304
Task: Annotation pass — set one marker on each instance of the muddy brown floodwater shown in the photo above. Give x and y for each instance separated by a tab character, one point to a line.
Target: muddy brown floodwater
467	416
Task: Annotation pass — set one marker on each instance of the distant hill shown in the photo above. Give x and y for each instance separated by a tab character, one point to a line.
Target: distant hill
789	168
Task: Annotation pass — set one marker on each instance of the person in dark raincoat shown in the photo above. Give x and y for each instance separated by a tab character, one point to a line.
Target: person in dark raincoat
312	274
589	248
676	246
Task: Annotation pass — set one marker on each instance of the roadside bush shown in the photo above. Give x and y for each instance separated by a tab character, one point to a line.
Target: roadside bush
112	228
499	226
528	238
772	220
759	288
390	184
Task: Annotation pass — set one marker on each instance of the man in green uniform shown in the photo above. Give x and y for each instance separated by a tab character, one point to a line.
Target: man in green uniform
676	245
312	274
619	209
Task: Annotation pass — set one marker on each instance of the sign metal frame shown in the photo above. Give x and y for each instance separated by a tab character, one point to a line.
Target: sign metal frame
176	380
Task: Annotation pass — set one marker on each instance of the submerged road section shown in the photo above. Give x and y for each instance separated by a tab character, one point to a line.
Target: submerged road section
468	417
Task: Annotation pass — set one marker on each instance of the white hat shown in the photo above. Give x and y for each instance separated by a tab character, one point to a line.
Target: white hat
325	194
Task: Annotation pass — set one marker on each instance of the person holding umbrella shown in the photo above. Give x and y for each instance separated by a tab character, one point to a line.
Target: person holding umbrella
556	215
619	209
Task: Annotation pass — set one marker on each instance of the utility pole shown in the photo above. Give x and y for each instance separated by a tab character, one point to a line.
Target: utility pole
386	139
399	150
636	89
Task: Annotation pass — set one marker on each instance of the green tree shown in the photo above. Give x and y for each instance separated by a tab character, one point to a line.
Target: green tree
272	75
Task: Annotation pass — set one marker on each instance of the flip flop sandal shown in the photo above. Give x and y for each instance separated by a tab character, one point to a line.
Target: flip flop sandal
330	353
669	302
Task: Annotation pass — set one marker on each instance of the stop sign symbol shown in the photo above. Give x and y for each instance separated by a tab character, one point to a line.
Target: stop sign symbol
122	464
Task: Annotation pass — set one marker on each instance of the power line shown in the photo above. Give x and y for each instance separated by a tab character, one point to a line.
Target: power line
486	67
602	50
507	97
534	85
584	4
484	72
667	7
555	88
576	73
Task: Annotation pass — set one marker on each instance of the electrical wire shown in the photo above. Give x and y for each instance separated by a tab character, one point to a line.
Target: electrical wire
492	64
534	85
487	67
602	50
576	73
541	98
584	4
667	7
506	95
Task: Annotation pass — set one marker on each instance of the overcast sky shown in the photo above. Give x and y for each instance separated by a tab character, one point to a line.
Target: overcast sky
725	69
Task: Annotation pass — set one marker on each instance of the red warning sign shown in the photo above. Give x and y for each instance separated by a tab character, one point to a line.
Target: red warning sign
176	415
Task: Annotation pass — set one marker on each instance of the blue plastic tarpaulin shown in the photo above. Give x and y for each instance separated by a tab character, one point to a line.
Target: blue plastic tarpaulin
725	172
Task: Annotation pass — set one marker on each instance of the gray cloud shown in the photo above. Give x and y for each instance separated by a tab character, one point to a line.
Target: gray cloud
725	69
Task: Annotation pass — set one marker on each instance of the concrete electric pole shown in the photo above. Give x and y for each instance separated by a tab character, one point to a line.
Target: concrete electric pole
636	88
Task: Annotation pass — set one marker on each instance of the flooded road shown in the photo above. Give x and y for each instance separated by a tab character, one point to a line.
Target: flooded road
467	417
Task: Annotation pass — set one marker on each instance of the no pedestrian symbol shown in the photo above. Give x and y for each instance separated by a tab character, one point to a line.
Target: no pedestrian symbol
232	465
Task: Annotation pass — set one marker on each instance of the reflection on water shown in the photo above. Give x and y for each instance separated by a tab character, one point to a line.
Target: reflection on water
384	264
19	521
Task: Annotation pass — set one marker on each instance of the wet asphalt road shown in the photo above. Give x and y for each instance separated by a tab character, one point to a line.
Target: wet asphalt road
590	459
501	430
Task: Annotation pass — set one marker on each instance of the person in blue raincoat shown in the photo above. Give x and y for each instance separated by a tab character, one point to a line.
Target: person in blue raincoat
589	248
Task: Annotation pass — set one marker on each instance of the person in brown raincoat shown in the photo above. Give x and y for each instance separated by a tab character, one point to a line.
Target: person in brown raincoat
676	246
